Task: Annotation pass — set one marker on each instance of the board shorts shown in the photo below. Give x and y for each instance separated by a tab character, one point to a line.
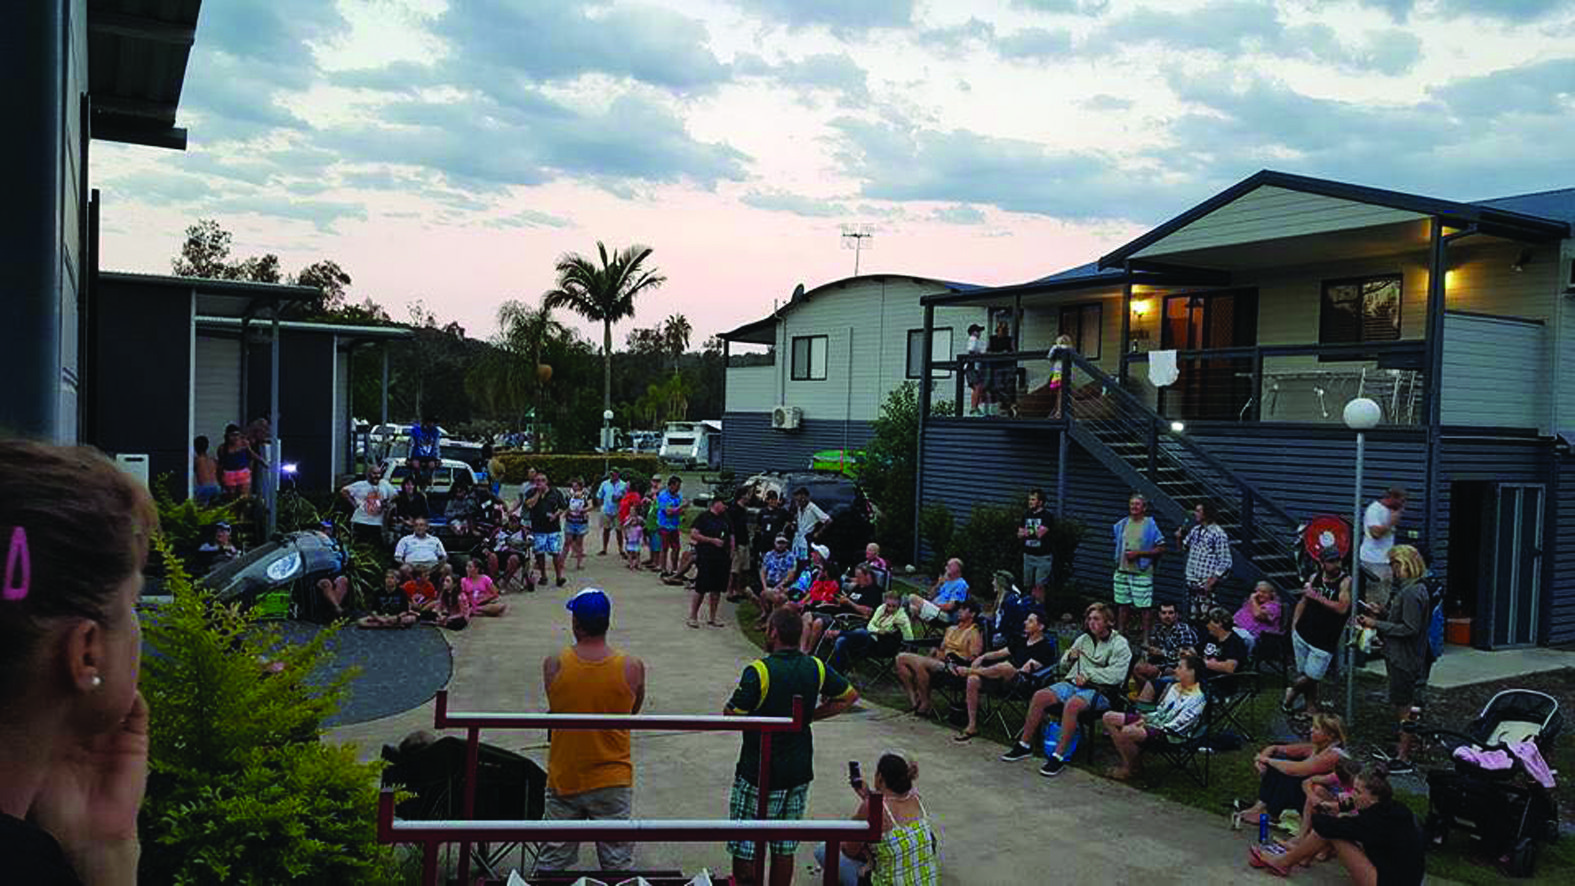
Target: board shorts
786	804
236	478
1134	589
1311	662
710	576
1066	692
547	542
741	559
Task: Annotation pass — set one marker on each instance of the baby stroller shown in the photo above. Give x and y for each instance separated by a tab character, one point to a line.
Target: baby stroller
1491	794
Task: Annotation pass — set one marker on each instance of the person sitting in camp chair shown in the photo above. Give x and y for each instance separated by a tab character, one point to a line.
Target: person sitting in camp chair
881	635
1178	711
1099	659
961	644
859	599
1020	659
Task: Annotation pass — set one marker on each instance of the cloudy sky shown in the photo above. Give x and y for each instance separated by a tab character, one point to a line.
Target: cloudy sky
449	151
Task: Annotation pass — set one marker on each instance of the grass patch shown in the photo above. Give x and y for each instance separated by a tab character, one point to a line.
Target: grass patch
1232	777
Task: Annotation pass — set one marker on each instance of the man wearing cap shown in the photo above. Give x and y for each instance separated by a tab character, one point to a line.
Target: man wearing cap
712	537
778	568
590	774
1316	625
219	551
767	689
609	494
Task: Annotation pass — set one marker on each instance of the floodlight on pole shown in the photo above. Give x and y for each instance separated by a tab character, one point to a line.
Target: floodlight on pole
1361	415
858	238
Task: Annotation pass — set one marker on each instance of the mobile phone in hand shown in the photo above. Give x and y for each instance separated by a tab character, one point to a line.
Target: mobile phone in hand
855	778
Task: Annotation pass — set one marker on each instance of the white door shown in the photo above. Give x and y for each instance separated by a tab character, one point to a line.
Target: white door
216	396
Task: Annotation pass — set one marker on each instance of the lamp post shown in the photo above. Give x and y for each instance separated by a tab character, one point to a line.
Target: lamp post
607	442
1361	416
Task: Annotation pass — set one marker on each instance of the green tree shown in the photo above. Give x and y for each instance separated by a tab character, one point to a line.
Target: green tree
524	332
675	335
331	280
206	253
603	293
890	468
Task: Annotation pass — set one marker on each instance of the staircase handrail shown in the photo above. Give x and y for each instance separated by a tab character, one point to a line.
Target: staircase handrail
1187	443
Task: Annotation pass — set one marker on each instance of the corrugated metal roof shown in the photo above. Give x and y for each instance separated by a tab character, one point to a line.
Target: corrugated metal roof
137	55
1558	205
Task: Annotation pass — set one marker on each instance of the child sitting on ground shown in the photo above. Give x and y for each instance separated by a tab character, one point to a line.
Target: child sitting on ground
453	611
420	596
393	609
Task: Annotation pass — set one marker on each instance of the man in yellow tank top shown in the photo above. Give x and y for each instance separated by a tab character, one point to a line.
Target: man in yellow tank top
590	775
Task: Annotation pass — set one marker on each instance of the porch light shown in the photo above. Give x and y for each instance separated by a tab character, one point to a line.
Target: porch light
1140	307
1177	427
1362	414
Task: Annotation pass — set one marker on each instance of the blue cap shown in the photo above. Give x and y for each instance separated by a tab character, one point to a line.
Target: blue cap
590	603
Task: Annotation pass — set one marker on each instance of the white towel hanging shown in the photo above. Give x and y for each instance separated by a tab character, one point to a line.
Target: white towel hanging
1162	368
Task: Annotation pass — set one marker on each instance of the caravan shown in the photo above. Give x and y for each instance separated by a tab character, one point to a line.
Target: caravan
692	444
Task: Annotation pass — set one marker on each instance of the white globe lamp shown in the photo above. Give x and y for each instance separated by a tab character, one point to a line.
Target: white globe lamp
1362	414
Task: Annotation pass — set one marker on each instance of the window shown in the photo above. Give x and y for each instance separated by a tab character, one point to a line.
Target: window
1360	310
1084	323
940	350
809	358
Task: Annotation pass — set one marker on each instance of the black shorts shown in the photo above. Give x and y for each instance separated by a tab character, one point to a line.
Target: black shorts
1405	687
711	575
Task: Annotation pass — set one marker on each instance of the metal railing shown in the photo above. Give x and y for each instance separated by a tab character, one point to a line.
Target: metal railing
433	834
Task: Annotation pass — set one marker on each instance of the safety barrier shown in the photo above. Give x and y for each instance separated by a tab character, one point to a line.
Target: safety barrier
432	834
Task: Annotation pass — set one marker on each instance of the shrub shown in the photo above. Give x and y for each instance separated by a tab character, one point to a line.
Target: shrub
889	467
987	543
561	468
936	527
241	789
186	525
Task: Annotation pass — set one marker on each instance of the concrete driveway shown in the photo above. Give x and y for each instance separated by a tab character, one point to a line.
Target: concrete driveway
999	823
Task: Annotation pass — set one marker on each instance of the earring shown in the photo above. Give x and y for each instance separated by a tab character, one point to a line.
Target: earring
96	681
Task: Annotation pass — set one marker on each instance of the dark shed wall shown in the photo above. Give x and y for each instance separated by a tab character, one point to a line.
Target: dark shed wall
306	367
1561	598
143	340
984	463
750	445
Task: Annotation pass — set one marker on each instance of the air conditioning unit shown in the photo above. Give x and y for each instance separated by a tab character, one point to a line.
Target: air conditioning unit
786	418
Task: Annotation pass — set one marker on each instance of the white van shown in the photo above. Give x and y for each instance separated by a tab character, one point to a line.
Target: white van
690	444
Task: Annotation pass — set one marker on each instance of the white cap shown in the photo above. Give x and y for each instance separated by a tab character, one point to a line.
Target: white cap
822	550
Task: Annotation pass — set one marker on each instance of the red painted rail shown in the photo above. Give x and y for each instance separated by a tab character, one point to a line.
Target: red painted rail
431	834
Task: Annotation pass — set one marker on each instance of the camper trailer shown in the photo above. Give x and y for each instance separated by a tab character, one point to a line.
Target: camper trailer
691	444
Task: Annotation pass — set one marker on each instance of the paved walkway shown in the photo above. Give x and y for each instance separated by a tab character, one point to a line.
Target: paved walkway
1000	823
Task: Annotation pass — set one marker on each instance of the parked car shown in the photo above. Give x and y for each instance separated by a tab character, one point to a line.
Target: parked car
853	516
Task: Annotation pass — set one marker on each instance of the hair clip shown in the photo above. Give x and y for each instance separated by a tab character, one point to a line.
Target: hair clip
18	567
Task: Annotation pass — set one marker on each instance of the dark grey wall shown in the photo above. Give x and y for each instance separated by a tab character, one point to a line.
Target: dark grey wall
750	445
35	65
306	372
983	462
143	339
1561	597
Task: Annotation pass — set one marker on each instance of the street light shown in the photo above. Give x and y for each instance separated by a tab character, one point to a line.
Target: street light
607	417
1361	416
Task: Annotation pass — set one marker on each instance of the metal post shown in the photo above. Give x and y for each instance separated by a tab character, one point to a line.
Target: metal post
926	388
472	763
763	809
1437	271
1153	451
1358	533
274	468
1126	320
1060	468
385	385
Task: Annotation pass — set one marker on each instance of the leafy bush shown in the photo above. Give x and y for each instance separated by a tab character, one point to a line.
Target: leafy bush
561	468
1065	535
936	527
241	788
367	561
988	543
889	469
186	525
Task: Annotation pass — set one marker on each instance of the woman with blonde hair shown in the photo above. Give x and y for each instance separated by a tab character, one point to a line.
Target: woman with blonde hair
1402	625
1282	768
73	728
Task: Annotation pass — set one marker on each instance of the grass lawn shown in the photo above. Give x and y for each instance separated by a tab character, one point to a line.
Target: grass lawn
1232	777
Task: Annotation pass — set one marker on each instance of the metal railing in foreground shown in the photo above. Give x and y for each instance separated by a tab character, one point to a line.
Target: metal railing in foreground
468	831
431	834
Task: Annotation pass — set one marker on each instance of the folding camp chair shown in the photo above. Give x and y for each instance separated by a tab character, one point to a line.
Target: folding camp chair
509	786
1184	750
1006	703
1227	694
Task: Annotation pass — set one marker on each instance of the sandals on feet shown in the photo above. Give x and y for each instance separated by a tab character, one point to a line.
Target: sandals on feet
1267	861
965	736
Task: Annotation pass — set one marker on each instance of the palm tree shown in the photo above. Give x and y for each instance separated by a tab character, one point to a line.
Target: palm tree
524	330
675	332
603	294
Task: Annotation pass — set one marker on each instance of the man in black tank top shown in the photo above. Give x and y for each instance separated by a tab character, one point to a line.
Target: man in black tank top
1315	628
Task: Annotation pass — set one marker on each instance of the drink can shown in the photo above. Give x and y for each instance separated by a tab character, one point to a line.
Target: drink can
1263	827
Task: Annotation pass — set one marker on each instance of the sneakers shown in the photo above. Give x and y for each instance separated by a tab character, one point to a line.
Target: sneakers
1052	767
1019	751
